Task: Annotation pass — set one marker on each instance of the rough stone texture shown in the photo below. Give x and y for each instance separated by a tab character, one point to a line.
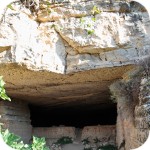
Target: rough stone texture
142	113
125	126
16	117
64	45
70	39
71	8
132	126
106	134
54	132
51	89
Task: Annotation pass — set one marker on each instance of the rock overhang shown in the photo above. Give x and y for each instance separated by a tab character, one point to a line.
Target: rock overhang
67	45
51	89
69	64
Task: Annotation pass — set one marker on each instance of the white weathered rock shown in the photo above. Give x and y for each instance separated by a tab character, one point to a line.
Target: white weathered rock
30	45
73	44
69	45
71	8
69	39
117	41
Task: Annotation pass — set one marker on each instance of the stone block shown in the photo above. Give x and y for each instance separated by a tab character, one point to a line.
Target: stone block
106	133
15	117
54	132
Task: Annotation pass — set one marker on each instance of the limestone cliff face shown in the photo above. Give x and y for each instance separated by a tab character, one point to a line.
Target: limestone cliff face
132	96
70	37
68	53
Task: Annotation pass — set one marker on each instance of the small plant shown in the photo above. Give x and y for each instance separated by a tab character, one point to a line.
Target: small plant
96	140
90	29
10	7
95	10
85	141
90	32
107	147
82	21
3	94
86	144
88	24
48	3
94	19
48	8
39	144
14	141
64	140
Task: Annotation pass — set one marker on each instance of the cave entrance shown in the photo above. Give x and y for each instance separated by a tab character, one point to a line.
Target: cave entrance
76	116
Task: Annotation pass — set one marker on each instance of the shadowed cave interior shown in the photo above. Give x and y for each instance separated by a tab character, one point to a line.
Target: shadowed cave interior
77	116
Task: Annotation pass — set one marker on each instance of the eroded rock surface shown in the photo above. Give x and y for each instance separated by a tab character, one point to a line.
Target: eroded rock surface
16	117
67	54
132	96
106	134
77	38
68	38
51	89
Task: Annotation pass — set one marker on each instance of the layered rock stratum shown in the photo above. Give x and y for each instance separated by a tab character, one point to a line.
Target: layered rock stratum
72	47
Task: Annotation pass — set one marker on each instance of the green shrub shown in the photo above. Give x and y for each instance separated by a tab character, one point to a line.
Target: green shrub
64	140
14	141
85	141
3	94
39	144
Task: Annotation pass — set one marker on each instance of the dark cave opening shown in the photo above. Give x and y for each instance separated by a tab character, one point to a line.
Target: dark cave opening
85	115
